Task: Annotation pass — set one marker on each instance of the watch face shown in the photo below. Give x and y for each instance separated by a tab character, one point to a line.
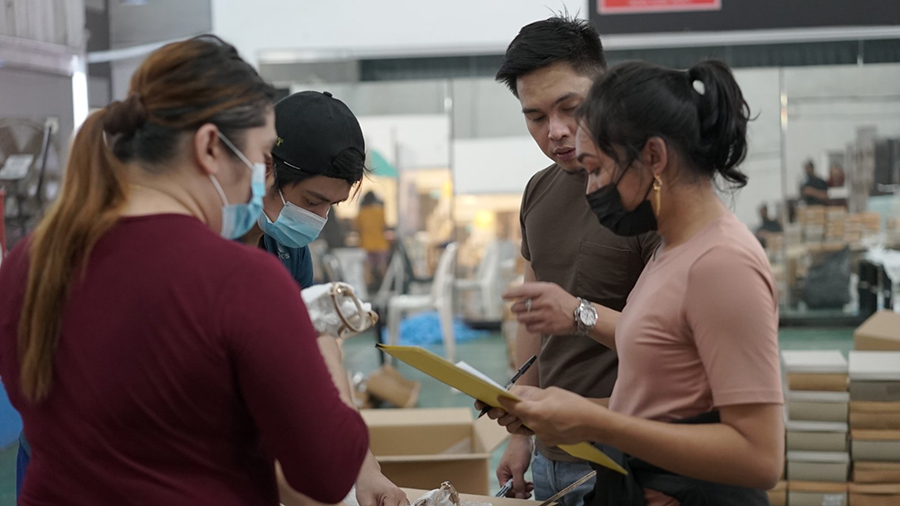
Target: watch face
588	318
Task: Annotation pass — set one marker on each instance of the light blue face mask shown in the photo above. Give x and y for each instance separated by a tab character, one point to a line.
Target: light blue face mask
295	227
237	219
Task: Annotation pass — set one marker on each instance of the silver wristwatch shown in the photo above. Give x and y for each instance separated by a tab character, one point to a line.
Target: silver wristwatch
585	317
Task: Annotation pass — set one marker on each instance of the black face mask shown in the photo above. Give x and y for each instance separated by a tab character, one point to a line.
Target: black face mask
606	203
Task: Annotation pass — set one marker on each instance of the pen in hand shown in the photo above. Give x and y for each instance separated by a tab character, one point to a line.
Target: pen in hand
522	370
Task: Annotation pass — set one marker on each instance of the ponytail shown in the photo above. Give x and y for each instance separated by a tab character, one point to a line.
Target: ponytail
92	194
723	115
177	89
701	113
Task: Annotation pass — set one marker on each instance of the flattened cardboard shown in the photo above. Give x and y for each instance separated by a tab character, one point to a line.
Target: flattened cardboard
875	445
817	382
818	466
879	391
817	411
876	472
814	361
874	495
875	415
881	332
817	436
778	495
875	366
817	494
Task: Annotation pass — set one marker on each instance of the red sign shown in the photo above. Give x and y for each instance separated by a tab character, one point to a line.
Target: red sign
648	6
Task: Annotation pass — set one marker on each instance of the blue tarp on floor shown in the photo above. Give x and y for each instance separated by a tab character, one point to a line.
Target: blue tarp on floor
425	328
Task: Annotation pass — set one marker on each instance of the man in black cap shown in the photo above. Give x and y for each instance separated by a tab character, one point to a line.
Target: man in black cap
318	158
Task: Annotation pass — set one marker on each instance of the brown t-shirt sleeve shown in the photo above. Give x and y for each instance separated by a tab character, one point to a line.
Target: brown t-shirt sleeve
731	309
526	253
647	244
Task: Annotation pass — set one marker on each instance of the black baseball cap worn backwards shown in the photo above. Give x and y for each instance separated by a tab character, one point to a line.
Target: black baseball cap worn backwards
312	129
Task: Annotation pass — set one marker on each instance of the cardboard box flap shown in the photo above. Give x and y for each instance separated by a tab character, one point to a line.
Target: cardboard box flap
813	361
408	432
874	407
875	365
809	396
489	434
875	435
875	488
821	457
795	426
880	332
817	487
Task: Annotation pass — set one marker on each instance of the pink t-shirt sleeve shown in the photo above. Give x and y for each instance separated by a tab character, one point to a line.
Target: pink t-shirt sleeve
731	308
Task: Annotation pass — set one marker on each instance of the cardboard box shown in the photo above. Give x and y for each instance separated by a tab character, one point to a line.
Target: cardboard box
778	495
817	382
875	415
875	366
817	406
881	332
874	495
882	391
876	472
818	466
389	385
817	436
875	445
801	493
422	448
816	370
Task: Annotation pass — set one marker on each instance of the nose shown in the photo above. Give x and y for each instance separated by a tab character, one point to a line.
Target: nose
559	128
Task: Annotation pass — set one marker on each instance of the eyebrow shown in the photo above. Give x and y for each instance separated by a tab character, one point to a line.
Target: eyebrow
559	100
323	197
582	156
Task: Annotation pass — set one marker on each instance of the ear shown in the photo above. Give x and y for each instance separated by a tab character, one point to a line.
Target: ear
208	149
655	155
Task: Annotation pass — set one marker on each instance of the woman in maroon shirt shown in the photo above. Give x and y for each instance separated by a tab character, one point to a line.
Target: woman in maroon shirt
153	360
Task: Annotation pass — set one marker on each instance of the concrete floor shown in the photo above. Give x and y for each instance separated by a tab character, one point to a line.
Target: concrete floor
487	355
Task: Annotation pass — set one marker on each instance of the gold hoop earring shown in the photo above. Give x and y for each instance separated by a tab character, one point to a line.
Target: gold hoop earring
657	186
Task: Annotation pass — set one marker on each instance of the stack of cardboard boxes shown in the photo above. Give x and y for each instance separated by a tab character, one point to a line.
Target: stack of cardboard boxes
875	411
835	219
862	225
813	220
816	415
875	427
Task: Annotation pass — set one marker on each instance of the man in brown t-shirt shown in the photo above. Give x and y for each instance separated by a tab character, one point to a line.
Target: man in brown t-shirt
577	273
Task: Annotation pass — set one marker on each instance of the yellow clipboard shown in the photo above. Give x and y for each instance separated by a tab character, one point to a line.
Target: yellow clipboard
448	373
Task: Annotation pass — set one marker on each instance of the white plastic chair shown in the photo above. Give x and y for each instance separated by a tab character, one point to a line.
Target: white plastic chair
440	299
489	281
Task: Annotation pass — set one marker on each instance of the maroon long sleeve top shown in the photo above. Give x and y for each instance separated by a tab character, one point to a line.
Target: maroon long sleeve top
186	365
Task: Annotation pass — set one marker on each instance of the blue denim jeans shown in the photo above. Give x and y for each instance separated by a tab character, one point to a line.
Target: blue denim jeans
551	476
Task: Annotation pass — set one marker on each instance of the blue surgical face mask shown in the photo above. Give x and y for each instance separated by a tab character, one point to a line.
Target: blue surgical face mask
295	227
237	219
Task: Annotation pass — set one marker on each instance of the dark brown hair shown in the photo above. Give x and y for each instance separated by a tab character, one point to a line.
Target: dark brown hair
179	88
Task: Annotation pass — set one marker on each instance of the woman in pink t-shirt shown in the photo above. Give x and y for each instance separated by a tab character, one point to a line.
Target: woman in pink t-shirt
698	340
